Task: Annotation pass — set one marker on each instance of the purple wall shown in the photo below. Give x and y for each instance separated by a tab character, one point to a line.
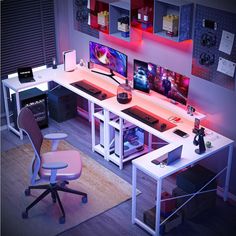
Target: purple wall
216	102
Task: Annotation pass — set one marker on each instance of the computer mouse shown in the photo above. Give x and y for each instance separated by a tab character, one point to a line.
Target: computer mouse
162	126
103	96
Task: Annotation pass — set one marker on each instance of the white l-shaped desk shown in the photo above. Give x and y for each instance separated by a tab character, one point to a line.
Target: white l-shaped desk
156	104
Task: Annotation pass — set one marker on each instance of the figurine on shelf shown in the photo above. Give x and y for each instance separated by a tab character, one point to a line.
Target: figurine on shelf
103	18
170	25
145	16
200	135
123	26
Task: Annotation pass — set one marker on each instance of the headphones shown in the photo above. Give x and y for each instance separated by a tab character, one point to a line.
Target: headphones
206	59
208	39
195	142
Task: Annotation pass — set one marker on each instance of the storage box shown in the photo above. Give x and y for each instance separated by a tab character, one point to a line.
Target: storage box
149	218
195	178
167	207
103	18
196	205
171	24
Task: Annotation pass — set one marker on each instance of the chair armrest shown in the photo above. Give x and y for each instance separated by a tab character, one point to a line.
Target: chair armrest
54	165
55	136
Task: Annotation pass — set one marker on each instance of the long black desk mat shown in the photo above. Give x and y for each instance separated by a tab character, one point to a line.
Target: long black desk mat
93	90
149	118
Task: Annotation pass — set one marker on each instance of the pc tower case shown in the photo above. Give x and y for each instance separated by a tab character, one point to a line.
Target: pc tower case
62	104
36	101
133	140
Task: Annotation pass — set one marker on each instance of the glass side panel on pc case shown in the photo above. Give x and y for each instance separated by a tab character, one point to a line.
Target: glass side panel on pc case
140	77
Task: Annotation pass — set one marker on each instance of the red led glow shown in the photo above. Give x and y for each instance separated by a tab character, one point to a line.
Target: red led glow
132	45
186	45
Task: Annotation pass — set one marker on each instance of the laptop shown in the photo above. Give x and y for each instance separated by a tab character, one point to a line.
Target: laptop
25	74
170	157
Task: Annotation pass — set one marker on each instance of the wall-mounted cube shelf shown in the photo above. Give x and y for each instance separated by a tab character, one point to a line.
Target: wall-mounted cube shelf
142	12
173	19
120	20
99	15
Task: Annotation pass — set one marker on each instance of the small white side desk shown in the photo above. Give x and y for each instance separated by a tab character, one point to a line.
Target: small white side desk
189	157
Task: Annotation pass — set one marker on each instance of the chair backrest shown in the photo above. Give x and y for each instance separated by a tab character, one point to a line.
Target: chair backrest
28	124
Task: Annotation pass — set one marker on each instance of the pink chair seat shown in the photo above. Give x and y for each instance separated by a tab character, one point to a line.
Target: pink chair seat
71	157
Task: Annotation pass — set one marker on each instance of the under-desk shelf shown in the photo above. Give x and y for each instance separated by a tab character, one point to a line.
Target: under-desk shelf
99	115
117	160
99	149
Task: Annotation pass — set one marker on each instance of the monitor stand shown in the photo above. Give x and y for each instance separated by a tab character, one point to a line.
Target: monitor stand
111	75
173	101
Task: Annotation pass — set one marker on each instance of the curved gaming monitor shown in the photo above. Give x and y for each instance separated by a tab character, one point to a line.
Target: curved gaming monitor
109	58
148	76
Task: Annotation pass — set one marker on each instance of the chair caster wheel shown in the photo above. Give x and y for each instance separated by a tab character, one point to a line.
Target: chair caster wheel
64	183
84	199
27	192
24	215
62	220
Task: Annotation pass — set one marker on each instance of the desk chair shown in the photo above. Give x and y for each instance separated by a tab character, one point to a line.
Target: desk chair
55	168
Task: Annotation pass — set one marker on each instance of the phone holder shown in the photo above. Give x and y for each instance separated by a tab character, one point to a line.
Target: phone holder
199	140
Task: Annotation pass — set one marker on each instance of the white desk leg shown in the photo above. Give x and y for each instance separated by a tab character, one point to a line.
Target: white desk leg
89	111
134	183
6	105
149	142
121	143
18	111
158	207
92	119
227	178
106	134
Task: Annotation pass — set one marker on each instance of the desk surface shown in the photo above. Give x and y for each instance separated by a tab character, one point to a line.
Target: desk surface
157	105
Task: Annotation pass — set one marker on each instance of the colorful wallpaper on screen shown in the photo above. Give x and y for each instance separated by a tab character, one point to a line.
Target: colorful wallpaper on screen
169	83
141	76
108	57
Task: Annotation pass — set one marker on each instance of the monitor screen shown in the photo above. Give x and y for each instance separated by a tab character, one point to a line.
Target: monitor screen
140	77
169	83
108	57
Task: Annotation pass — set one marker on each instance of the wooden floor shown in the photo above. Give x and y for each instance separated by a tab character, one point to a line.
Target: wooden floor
117	221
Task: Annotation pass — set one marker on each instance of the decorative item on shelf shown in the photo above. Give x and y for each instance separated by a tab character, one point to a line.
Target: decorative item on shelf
208	144
190	110
200	136
124	93
54	63
170	25
145	16
82	62
103	18
123	26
